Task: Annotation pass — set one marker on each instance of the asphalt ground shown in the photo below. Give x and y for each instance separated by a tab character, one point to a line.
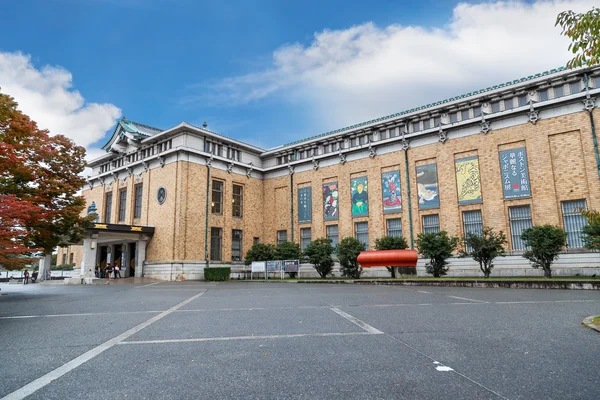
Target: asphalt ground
201	340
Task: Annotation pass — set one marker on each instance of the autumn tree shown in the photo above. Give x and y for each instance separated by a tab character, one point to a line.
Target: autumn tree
39	181
584	31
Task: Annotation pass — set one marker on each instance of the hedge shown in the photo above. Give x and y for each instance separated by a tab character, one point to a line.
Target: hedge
217	273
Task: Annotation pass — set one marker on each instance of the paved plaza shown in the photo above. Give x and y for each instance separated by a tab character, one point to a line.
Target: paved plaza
236	340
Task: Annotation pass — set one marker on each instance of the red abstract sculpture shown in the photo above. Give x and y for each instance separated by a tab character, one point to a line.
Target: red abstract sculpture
388	258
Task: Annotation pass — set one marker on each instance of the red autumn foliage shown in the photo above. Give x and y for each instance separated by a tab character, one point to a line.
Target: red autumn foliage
39	181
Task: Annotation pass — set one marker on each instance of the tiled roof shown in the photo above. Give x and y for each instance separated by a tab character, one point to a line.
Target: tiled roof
136	127
437	103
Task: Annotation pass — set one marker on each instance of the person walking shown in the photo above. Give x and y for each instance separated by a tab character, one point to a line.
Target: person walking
25	277
117	270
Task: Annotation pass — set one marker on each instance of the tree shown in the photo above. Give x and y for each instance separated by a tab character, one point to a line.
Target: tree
39	176
391	243
485	247
348	250
288	251
584	31
318	253
545	242
437	247
260	252
591	232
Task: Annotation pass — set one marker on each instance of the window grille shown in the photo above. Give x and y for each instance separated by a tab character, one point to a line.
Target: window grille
508	104
476	112
361	231
464	115
559	91
138	201
520	219
394	227
122	204
543	95
236	245
305	237
573	221
332	233
416	126
453	118
281	237
496	106
472	223
216	240
427	124
108	208
574	87
217	197
238	200
522	100
431	223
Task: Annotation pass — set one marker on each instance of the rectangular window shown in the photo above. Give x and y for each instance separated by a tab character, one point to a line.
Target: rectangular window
217	197
559	91
236	245
238	200
64	258
437	121
543	95
71	258
597	82
137	213
363	140
520	219
305	237
496	106
574	87
216	241
332	233
522	100
508	104
108	208
573	221
453	117
281	237
427	124
255	240
393	132
431	223
122	204
361	232
353	142
476	111
464	115
472	223
416	126
394	227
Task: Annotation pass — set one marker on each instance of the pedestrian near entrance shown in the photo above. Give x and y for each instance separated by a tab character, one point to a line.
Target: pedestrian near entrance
117	271
25	277
108	271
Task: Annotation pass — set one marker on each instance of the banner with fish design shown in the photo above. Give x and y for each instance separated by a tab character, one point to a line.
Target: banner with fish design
427	187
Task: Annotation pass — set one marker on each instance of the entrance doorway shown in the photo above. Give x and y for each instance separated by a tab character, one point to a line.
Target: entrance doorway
132	257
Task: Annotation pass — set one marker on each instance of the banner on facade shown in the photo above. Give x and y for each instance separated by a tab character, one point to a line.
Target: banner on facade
305	204
291	265
427	186
515	173
360	196
468	181
391	193
330	201
273	266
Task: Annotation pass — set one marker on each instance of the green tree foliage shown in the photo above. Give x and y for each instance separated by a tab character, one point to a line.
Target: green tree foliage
391	243
318	253
437	247
347	251
545	242
485	247
287	251
584	31
591	232
260	252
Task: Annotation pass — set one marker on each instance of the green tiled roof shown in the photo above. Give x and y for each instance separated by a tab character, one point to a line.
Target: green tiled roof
437	103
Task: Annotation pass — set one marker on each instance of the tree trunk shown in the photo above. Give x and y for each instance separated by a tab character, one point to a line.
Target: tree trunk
392	271
548	273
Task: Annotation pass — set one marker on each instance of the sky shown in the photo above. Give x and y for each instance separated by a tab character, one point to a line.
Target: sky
263	72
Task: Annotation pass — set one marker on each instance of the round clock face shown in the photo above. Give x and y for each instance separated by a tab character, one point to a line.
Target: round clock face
161	195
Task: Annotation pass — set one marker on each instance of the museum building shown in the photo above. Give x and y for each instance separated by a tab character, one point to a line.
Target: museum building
170	202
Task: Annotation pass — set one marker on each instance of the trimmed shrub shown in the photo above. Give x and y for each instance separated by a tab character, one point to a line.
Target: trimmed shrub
217	273
260	252
318	253
348	250
437	247
544	242
391	243
484	248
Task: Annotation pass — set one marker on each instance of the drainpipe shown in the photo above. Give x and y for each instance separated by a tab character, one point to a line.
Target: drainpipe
589	106
292	203
410	220
206	258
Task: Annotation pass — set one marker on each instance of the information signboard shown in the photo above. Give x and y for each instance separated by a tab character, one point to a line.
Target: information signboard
273	266
291	265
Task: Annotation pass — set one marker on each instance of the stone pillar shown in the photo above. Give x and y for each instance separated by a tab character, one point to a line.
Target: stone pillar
140	249
45	264
88	261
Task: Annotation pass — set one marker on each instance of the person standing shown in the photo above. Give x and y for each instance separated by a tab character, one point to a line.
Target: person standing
26	277
117	270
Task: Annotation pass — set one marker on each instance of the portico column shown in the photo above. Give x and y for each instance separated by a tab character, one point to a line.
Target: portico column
140	249
45	264
88	262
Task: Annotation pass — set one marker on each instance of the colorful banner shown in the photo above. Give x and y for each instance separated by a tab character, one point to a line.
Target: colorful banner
360	196
274	266
330	201
427	187
390	188
468	181
291	265
515	173
304	204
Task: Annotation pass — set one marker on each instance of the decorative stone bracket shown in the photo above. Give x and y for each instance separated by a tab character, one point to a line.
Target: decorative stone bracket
161	161
342	158
533	114
315	163
230	167
291	169
249	170
443	136
485	125
372	151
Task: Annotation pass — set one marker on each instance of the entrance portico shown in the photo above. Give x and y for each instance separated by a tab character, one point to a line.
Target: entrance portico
106	244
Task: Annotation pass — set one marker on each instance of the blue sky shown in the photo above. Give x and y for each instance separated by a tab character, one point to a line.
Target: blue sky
267	72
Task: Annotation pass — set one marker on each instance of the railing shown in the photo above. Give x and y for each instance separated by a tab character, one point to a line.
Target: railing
5	276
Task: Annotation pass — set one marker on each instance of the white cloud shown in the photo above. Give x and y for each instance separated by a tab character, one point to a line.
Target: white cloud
47	96
367	71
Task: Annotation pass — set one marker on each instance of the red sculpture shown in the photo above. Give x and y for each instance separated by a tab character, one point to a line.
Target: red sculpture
388	258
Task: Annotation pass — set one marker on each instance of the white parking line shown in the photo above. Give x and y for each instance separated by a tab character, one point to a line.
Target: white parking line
150	284
76	362
356	321
423	291
544	301
80	315
465	298
231	338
